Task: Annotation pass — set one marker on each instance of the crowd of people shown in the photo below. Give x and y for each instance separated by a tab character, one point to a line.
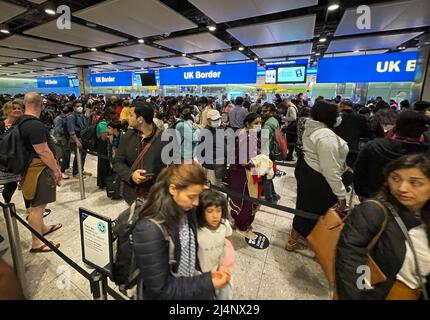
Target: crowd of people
182	239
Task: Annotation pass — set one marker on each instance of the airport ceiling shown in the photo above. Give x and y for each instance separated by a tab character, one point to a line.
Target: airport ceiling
136	34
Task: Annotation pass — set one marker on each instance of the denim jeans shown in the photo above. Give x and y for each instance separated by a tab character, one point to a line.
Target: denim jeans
75	162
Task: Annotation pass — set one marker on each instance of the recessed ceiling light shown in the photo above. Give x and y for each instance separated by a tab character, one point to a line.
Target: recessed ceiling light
15	63
172	66
322	40
184	54
333	7
212	28
317	54
142	59
141	41
50	12
427	42
34	60
4	29
402	48
255	59
355	51
93	49
241	48
59	55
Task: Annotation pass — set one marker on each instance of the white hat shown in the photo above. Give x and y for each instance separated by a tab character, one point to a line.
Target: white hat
214	115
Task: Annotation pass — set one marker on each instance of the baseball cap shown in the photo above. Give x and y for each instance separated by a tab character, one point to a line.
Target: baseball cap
214	115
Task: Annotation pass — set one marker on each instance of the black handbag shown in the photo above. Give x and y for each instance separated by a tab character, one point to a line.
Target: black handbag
113	187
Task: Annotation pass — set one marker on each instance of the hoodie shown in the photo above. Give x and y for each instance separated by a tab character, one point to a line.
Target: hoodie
325	152
374	157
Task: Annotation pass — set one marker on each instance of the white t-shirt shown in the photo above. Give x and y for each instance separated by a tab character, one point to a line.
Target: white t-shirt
407	273
212	245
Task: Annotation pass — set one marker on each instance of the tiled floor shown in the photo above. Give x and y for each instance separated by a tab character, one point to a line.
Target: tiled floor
272	273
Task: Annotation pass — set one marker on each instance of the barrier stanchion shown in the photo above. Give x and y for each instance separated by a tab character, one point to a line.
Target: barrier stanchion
15	244
98	285
81	173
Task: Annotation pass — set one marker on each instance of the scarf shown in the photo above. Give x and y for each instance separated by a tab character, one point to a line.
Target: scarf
187	259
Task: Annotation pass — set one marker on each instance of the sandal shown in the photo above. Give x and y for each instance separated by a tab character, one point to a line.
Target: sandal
42	249
53	228
293	243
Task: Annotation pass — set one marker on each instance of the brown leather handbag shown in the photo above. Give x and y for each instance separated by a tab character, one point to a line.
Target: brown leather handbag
324	238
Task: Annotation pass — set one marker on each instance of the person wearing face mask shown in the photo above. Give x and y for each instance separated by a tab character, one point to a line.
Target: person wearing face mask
188	132
210	152
241	179
319	172
407	137
351	127
75	124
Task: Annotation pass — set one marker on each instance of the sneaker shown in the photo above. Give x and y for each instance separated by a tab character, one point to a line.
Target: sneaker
65	176
89	174
68	171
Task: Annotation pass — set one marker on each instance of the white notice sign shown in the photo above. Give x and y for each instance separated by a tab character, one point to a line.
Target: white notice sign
96	240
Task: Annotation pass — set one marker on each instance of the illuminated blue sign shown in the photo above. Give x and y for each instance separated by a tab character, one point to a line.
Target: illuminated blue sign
217	74
53	82
115	79
389	67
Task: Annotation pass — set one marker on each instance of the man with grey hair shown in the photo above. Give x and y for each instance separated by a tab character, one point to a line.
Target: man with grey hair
39	180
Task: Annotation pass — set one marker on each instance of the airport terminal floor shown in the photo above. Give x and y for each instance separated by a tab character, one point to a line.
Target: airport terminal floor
271	273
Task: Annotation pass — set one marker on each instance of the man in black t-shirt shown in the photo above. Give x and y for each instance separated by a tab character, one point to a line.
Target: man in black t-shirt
43	173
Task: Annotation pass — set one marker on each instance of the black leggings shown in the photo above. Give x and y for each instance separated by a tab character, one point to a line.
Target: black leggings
9	190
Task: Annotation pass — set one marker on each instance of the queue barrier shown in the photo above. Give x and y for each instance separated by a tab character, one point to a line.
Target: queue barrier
98	282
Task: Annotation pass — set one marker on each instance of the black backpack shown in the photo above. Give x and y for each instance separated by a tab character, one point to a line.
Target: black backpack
14	156
113	184
89	138
125	271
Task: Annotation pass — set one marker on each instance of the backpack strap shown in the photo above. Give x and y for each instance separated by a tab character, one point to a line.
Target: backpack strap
168	238
384	224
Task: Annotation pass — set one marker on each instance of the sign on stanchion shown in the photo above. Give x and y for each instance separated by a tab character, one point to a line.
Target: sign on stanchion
96	241
261	242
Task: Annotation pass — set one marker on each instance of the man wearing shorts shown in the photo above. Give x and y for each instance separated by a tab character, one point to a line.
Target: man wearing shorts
43	174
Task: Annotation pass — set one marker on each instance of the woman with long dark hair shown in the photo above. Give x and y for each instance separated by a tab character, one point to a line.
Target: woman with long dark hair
406	198
165	239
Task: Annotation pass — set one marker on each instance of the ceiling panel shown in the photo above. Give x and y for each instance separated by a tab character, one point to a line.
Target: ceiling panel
27	67
227	10
23	42
177	61
140	18
72	61
8	60
9	10
284	51
194	43
292	29
388	16
47	64
359	53
101	56
141	64
140	51
223	56
113	66
20	53
370	42
37	1
77	35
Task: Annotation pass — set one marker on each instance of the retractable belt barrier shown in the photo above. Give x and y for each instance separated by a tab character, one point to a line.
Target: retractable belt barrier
296	212
98	281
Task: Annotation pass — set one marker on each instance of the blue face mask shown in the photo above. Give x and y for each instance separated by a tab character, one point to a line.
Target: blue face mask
338	121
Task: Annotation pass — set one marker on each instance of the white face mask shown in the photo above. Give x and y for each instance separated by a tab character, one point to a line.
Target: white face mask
215	124
256	127
338	121
79	109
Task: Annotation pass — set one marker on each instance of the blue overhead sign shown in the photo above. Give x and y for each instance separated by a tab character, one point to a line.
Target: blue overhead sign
114	79
53	82
216	74
389	67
